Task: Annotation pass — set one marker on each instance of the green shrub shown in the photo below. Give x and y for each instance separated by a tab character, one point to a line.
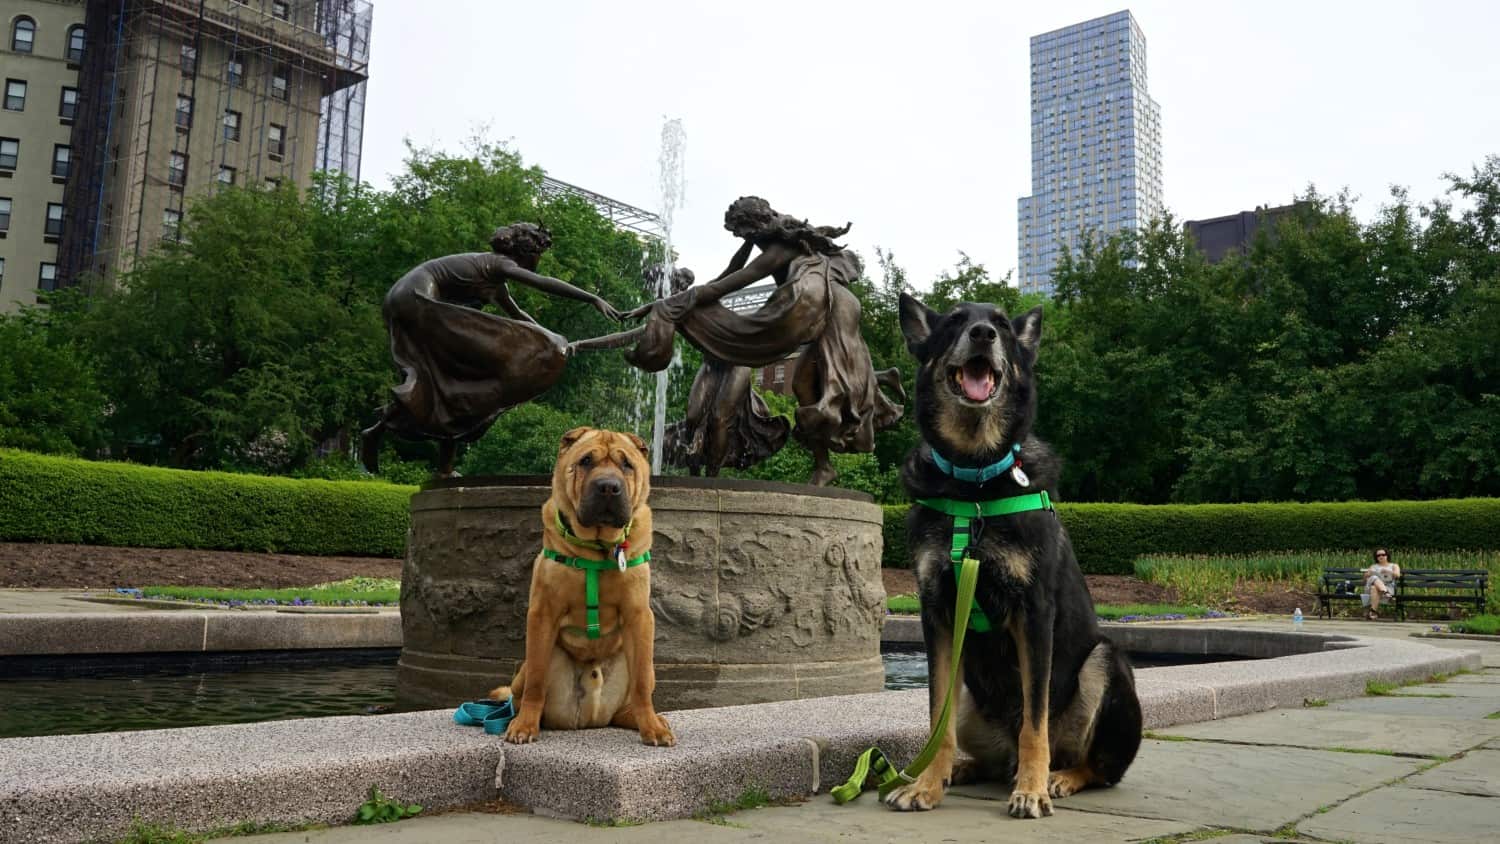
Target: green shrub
1108	537
58	499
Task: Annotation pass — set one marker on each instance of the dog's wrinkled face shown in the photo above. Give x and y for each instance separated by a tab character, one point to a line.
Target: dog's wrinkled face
974	389
604	475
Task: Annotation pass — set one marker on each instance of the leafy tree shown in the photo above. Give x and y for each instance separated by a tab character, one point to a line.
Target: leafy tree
49	400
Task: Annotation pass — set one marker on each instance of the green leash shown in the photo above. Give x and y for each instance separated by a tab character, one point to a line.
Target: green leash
966	614
874	760
591	569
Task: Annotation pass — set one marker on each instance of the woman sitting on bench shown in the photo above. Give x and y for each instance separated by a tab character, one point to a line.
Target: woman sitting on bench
1380	582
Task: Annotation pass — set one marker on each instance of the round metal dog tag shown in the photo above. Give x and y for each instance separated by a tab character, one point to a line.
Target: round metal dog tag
1020	477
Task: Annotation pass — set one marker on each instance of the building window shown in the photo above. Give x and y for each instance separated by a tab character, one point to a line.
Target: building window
273	183
15	94
177	170
46	277
278	83
276	136
2	269
4	213
171	223
54	219
23	35
189	59
235	71
75	45
226	175
231	125
67	107
184	111
62	156
780	376
10	152
280	10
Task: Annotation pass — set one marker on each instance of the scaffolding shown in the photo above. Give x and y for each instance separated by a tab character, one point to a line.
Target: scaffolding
178	97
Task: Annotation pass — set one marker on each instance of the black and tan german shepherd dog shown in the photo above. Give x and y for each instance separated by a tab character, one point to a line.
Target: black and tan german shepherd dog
1045	701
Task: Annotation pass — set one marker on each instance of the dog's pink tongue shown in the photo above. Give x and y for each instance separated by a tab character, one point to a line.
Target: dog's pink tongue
978	381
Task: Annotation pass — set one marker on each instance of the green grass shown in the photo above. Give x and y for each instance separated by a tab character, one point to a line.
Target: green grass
910	605
1493	716
904	604
1314	702
1210	580
1483	625
1115	611
354	591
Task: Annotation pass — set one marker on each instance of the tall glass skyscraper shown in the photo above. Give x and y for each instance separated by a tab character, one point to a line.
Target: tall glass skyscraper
1095	142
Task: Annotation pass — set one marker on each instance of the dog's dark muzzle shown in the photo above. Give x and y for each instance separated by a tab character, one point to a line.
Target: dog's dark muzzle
606	502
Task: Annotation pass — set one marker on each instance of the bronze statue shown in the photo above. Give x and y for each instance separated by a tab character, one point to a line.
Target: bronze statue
463	367
840	405
700	443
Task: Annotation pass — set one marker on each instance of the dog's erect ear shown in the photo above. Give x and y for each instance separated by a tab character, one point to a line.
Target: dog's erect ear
1028	328
571	437
916	324
635	440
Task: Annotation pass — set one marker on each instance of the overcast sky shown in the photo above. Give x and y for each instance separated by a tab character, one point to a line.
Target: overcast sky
911	119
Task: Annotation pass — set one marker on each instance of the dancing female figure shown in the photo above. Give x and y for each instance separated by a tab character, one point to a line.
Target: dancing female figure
840	405
463	367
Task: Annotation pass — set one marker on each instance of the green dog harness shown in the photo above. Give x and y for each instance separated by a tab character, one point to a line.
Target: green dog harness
591	567
964	512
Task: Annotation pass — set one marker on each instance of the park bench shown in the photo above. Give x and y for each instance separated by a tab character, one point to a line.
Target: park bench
1415	586
1441	586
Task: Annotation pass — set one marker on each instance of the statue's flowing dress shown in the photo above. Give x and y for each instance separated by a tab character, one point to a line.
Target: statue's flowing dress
462	367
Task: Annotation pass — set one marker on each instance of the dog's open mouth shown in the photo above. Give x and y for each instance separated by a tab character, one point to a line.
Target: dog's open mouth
975	381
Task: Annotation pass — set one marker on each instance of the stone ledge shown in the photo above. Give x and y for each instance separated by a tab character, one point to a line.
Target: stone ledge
78	788
59	634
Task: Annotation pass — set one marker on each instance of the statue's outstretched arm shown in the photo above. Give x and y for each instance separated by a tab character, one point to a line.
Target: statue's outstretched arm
737	263
764	264
558	287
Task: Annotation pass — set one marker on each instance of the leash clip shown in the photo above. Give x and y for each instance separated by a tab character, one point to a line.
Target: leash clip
620	555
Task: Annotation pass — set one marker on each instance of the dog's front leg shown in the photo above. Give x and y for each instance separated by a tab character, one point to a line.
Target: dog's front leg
1032	632
640	661
541	639
927	792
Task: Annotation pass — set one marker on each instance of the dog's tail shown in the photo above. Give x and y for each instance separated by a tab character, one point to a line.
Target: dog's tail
500	693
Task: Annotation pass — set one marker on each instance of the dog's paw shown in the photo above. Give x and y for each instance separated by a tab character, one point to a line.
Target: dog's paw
1064	783
523	730
1030	804
657	733
926	793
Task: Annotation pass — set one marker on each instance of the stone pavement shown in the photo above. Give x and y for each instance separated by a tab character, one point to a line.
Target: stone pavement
1419	765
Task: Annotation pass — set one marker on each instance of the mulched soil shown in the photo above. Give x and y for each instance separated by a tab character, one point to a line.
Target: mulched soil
40	565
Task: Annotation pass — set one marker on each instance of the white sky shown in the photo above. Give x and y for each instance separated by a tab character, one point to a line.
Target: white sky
912	119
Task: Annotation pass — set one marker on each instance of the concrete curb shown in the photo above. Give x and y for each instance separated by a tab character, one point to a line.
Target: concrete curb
57	634
80	788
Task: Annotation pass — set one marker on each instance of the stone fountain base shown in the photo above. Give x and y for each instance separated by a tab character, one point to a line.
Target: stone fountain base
762	591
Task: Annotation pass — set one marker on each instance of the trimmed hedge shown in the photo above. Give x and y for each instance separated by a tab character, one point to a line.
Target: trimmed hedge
59	499
1108	537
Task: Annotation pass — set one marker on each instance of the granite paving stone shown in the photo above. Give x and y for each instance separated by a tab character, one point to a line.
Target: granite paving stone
1228	785
1320	728
1476	772
1399	815
1490	691
957	819
1421	707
